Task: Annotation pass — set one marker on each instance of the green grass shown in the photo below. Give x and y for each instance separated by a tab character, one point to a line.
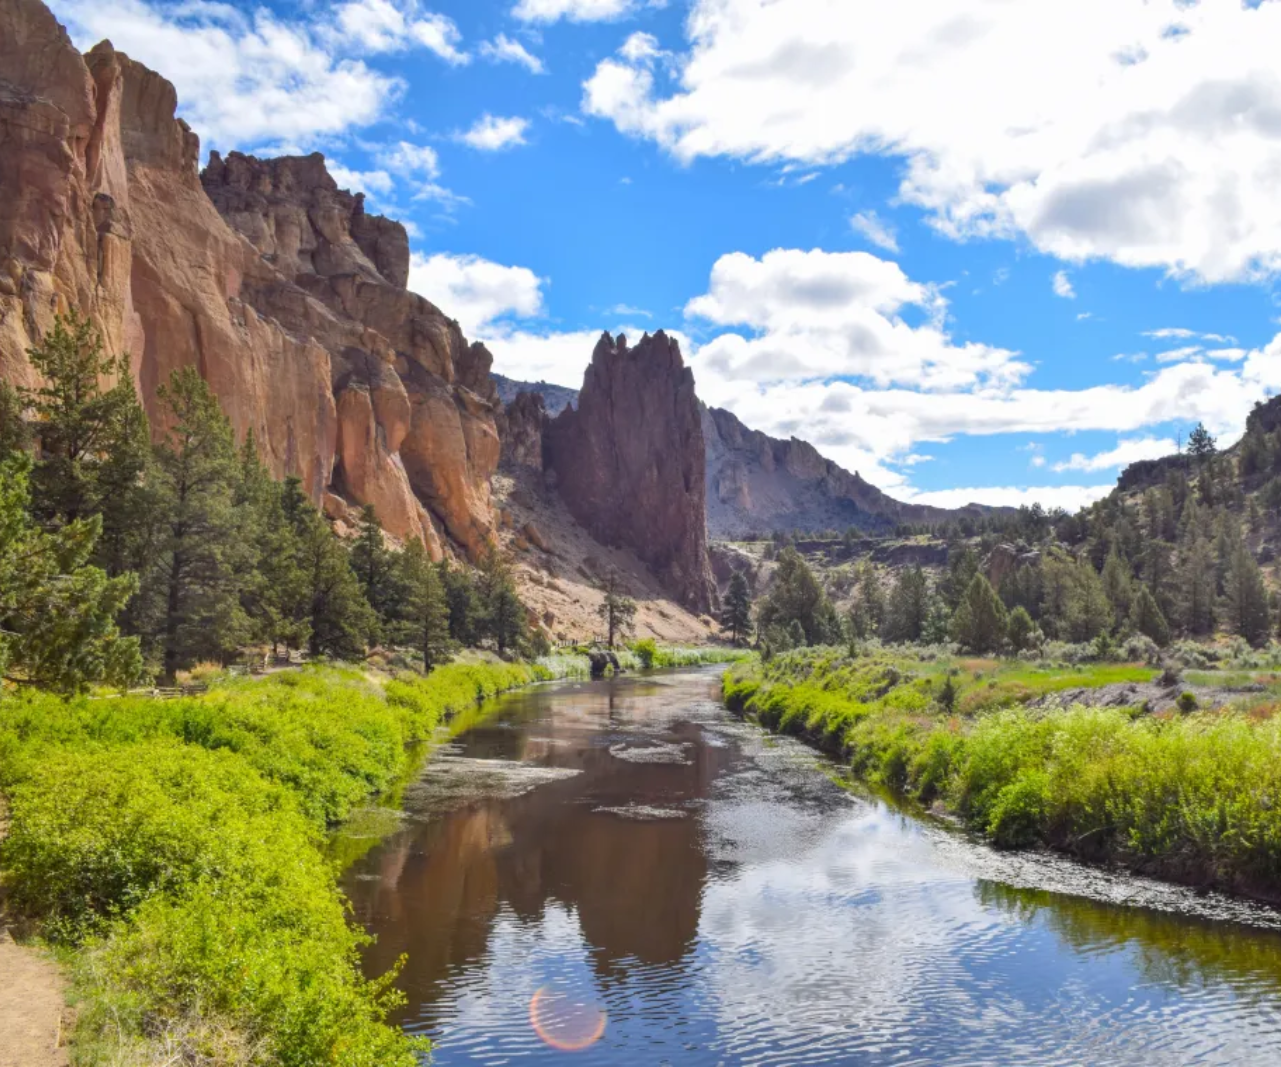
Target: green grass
1193	798
175	851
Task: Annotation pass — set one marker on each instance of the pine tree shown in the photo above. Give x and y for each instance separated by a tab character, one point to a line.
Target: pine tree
425	619
1146	617
867	614
503	616
798	597
80	425
617	610
980	622
736	616
1247	598
908	608
273	586
1201	446
1021	631
339	618
15	436
1118	585
57	611
1197	588
193	577
372	562
962	566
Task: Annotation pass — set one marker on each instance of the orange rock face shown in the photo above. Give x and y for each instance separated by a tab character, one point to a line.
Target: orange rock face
276	285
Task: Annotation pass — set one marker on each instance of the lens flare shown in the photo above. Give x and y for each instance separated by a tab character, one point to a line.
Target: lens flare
565	1023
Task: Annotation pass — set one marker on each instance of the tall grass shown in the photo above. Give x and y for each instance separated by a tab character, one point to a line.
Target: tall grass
1195	799
175	851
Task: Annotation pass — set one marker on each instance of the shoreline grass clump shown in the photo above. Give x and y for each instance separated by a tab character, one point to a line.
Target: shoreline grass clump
1193	798
173	851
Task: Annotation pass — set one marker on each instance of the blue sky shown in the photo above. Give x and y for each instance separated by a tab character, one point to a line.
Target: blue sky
975	250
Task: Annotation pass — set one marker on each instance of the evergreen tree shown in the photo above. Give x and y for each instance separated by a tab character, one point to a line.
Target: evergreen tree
1021	631
193	577
503	615
1118	585
617	610
962	566
337	615
425	618
1201	446
14	433
867	614
463	600
81	425
274	592
908	608
736	615
373	564
1247	598
798	597
1197	587
1146	617
980	622
57	611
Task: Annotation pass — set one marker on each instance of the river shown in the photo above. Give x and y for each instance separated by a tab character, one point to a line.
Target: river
622	873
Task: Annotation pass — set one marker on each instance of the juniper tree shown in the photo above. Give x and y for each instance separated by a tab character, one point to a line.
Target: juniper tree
424	617
736	615
980	622
617	610
1246	598
1146	617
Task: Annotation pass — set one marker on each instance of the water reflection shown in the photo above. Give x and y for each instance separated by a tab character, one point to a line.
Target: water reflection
715	897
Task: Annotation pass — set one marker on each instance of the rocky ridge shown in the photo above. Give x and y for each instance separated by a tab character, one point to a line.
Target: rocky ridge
277	285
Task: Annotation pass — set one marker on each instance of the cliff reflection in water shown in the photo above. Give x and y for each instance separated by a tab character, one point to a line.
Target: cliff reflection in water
441	881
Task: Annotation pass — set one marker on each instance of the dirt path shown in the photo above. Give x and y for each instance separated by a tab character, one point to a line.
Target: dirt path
33	1012
31	1009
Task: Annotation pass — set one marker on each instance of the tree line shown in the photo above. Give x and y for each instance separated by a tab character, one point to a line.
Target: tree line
1172	560
126	555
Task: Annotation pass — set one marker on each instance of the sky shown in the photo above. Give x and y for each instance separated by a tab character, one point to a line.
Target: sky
976	250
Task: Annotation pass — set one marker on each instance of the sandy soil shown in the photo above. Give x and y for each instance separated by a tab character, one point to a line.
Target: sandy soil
558	567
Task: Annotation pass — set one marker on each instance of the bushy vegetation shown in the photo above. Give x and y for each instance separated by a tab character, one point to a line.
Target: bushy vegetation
1191	796
175	848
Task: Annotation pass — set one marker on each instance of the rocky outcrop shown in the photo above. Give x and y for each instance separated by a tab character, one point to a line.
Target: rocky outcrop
522	431
629	461
556	398
287	296
759	484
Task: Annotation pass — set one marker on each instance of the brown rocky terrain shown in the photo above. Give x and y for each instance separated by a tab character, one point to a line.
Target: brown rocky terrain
277	285
757	483
629	462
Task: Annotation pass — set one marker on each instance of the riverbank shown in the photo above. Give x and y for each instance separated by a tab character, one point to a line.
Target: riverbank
172	852
1192	797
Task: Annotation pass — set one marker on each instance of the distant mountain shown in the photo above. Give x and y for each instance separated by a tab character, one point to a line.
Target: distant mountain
555	397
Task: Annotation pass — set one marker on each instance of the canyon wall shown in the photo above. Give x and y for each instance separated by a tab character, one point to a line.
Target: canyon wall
629	462
276	285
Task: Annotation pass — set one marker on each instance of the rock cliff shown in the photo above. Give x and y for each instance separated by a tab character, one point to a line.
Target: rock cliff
757	483
277	285
629	461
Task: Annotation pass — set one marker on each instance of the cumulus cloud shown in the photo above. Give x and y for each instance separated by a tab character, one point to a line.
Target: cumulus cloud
251	78
873	228
374	183
1067	497
1083	124
1125	453
491	133
478	292
502	49
410	160
819	315
580	10
1180	333
1062	286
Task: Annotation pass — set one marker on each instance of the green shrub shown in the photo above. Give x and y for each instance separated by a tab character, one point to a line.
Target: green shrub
646	651
1187	702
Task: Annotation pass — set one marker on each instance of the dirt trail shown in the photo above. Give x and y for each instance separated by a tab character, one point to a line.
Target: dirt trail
33	1012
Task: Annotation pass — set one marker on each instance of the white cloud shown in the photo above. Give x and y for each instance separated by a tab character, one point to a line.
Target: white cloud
558	358
410	160
627	311
1067	497
1008	118
438	34
1179	333
383	26
875	229
491	133
502	49
1125	453
375	183
818	315
640	48
242	79
1062	285
475	291
580	10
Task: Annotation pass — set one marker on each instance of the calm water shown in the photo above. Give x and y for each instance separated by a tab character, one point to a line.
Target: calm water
621	873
